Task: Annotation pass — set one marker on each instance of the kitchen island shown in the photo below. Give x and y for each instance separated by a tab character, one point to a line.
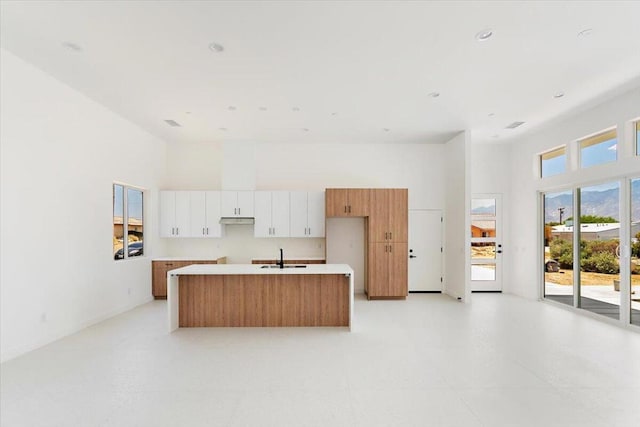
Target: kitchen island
257	295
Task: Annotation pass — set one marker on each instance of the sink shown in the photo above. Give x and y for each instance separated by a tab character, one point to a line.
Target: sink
286	266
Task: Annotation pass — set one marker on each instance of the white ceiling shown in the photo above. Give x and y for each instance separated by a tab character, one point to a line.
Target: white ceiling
353	69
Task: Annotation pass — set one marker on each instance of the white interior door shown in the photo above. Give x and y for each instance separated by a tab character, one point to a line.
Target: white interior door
486	243
425	250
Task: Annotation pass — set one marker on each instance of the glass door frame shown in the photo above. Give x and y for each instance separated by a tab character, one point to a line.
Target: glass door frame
494	285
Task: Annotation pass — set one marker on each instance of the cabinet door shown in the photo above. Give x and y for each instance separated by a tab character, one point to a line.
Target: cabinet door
182	214
336	202
378	270
315	214
245	203
298	213
262	226
379	215
212	210
358	202
197	212
398	266
229	203
167	213
280	213
398	215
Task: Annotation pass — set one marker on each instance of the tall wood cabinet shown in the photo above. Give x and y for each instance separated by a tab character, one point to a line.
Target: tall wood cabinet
387	213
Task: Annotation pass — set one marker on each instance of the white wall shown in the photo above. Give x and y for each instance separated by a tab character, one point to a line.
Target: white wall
418	167
490	169
60	154
456	219
523	207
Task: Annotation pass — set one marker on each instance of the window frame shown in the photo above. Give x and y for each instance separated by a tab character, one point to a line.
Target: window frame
549	154
595	139
125	218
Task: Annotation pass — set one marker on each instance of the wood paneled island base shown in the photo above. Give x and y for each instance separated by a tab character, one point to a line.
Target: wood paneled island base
250	296
269	300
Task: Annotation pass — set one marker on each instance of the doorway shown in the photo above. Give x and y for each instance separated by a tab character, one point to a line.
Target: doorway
425	250
486	243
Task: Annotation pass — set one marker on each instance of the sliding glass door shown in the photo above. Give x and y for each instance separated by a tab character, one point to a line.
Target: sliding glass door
600	249
558	246
635	251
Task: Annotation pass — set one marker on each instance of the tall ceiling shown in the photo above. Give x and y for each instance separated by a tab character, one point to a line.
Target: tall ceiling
339	72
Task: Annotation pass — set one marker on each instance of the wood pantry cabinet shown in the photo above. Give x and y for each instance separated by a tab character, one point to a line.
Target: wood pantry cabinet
387	267
387	275
159	270
389	215
347	202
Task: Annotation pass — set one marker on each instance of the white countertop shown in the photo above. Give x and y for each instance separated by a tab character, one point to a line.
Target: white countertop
288	258
185	258
225	269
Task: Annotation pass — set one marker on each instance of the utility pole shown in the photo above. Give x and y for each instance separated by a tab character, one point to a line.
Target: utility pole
561	210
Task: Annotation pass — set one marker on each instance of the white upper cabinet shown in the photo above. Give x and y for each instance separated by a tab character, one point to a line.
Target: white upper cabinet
205	214
271	214
174	214
307	214
237	204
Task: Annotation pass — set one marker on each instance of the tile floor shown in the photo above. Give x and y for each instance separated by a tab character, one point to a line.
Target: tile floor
427	361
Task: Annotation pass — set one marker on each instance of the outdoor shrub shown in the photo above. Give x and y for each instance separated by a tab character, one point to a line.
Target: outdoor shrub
562	251
602	262
600	246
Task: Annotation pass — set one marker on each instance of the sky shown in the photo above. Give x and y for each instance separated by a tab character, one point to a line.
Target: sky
134	199
594	155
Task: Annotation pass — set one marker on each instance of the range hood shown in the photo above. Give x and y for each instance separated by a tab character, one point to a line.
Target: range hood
234	220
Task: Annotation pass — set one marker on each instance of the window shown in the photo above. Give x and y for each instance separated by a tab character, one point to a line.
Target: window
599	149
127	221
553	162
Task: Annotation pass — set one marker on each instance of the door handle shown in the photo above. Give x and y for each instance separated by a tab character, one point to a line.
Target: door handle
499	251
412	256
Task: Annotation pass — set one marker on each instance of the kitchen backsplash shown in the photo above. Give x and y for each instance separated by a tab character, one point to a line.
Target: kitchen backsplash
239	246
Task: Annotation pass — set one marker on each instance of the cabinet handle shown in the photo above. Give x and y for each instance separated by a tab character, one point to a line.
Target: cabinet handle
345	209
309	231
349	208
386	248
385	235
238	211
168	265
203	231
390	236
207	231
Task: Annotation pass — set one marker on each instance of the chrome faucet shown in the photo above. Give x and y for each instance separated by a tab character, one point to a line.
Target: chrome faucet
281	262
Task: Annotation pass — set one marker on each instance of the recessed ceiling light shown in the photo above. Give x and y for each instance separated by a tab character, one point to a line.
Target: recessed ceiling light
559	95
187	112
72	46
263	108
222	129
295	109
434	94
305	129
585	33
484	35
491	114
215	47
172	123
386	129
334	114
231	108
495	135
